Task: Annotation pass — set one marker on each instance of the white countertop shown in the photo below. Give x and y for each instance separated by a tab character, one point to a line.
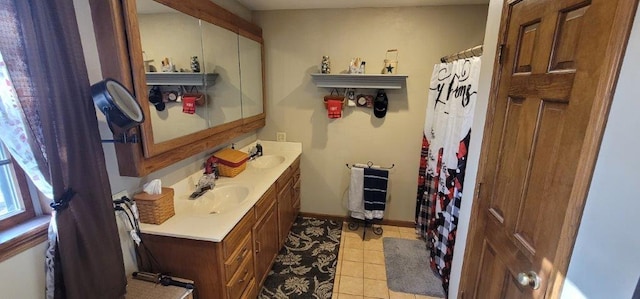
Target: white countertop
214	227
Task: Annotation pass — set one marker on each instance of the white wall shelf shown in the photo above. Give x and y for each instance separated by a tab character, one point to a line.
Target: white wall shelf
372	81
186	79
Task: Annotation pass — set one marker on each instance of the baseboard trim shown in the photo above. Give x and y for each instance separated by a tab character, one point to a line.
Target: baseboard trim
400	223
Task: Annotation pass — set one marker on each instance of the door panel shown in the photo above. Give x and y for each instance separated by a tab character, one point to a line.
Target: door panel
568	34
526	44
547	86
494	270
530	228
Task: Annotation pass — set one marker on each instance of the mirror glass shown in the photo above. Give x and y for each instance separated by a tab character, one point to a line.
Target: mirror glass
169	40
251	76
220	53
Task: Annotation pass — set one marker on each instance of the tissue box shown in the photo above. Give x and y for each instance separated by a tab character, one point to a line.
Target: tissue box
155	208
231	162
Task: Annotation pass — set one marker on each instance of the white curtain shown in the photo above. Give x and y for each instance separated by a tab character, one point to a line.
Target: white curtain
447	131
16	134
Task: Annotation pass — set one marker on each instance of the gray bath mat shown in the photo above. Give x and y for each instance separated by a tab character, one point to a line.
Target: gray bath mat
408	270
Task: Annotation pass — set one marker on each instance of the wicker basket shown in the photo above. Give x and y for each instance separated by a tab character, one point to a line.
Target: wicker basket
155	208
231	162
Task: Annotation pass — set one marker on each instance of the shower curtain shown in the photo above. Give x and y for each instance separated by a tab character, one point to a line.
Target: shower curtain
447	130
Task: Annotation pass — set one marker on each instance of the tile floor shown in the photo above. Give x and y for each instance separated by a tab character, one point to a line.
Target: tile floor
357	277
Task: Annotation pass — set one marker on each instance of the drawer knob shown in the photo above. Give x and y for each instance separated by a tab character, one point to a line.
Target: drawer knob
243	276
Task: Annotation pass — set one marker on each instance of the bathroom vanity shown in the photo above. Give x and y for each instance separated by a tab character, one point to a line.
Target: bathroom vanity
227	239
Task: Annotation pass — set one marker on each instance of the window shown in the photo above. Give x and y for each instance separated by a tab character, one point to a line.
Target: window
16	205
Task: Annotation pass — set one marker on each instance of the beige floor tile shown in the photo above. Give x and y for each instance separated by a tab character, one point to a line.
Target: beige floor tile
374	257
351	285
409	236
376	288
354	255
373	244
336	284
339	267
374	271
398	295
334	295
347	296
353	242
353	269
352	233
408	230
373	237
392	234
390	228
426	297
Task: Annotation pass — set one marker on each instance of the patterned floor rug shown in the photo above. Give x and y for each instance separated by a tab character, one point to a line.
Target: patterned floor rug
306	265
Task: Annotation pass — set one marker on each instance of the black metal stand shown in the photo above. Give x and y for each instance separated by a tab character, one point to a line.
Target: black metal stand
365	223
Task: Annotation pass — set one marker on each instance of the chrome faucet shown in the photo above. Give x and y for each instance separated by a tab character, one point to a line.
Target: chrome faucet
205	183
208	179
255	152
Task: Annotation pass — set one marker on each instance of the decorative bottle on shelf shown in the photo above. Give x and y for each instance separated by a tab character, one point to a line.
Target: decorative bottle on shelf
195	64
325	68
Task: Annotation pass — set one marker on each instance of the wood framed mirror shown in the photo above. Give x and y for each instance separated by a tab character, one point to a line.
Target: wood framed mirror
118	33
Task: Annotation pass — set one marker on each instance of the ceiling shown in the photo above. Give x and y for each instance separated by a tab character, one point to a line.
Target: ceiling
310	4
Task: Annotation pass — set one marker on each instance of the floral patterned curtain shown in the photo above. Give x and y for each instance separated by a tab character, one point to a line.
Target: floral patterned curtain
16	134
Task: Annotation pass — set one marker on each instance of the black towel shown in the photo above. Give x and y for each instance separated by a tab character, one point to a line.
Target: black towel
375	189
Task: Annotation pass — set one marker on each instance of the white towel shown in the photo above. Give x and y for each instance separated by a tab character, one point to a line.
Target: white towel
356	199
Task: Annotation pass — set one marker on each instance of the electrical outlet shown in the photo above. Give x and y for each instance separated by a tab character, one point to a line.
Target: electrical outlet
120	195
281	136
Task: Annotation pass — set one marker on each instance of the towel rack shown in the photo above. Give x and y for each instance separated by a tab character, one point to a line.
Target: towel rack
366	222
370	165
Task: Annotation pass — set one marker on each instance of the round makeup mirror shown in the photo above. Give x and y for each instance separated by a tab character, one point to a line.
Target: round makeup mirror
119	107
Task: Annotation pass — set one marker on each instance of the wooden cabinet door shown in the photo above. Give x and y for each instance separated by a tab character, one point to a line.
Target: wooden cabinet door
284	212
295	201
265	236
555	76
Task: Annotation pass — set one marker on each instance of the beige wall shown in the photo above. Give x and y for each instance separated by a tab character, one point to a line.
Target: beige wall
295	42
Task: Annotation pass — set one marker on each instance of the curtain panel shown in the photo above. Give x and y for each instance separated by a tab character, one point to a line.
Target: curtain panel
84	257
446	136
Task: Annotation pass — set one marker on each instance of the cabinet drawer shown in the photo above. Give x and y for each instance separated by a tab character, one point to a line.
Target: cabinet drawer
234	262
265	202
238	234
296	176
283	179
295	165
241	279
250	292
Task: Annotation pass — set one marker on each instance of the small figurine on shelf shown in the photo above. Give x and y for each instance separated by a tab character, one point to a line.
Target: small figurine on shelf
325	68
168	66
195	64
356	66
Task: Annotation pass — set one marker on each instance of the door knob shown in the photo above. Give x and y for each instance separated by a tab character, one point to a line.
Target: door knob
530	278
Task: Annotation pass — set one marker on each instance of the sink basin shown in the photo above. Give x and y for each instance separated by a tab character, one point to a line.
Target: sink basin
217	201
267	161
